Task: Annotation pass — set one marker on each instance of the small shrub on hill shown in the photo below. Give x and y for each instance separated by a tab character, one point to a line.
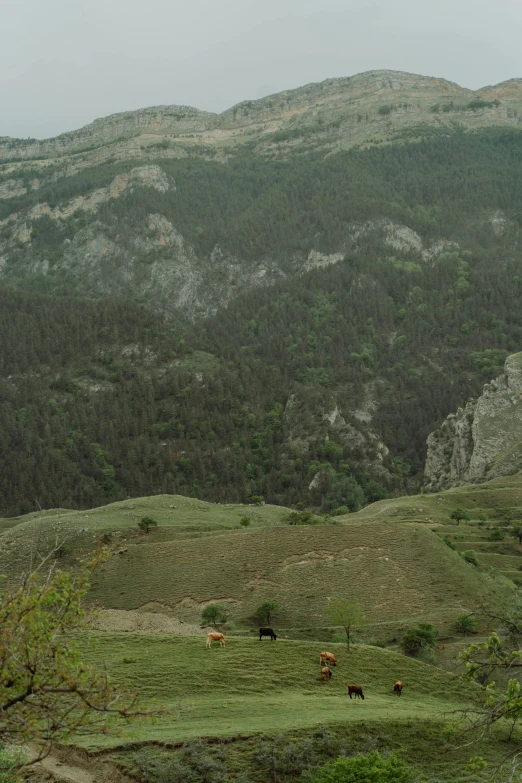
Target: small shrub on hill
302	518
245	521
146	524
423	637
338	512
371	767
449	543
213	614
257	500
497	534
470	556
62	551
466	623
377	643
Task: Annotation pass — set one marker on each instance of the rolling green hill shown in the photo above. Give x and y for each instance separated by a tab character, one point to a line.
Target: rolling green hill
199	554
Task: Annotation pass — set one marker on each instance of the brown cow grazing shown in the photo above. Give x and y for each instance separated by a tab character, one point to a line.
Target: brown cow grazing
327	658
215	637
398	687
325	673
356	690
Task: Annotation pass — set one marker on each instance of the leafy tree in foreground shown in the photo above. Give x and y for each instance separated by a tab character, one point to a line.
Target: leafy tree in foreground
47	693
146	523
364	768
264	611
460	514
342	611
481	660
213	614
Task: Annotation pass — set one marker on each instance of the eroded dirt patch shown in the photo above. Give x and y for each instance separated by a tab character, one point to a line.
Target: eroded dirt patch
135	621
69	765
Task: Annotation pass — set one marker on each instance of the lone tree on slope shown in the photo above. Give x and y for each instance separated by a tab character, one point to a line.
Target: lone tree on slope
146	524
342	611
214	614
264	611
460	514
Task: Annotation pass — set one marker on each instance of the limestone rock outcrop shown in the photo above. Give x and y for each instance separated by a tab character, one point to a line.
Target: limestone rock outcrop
482	440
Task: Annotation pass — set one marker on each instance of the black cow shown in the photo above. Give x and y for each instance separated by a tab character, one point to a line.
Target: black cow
356	690
267	632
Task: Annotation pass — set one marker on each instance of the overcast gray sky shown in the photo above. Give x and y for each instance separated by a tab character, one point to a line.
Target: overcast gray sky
65	62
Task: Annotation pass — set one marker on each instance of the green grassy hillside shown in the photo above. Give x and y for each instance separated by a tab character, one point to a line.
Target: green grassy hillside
394	570
494	498
250	687
252	696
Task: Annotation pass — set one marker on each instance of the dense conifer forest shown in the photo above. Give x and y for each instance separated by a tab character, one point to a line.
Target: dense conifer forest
105	398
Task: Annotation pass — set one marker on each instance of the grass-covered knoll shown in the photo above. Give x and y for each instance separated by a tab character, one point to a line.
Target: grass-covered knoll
81	530
250	687
396	571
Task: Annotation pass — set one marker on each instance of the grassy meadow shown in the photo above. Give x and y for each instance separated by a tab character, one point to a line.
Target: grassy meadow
252	694
251	687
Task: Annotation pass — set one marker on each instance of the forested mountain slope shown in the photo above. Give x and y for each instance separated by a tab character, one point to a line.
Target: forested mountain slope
272	302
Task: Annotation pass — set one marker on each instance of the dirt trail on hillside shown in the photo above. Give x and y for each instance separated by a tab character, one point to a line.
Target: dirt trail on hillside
133	621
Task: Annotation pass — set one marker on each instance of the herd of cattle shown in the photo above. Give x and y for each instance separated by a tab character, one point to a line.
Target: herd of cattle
326	661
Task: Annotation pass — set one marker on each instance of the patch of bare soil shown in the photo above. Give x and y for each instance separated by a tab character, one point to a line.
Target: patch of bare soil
67	765
133	621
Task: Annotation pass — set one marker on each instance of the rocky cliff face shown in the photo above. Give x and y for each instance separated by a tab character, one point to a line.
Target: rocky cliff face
482	440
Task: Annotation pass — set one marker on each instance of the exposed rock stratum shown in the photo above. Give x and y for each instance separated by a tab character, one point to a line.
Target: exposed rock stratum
482	440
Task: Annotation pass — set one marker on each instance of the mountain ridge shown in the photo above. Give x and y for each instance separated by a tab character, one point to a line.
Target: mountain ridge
181	119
